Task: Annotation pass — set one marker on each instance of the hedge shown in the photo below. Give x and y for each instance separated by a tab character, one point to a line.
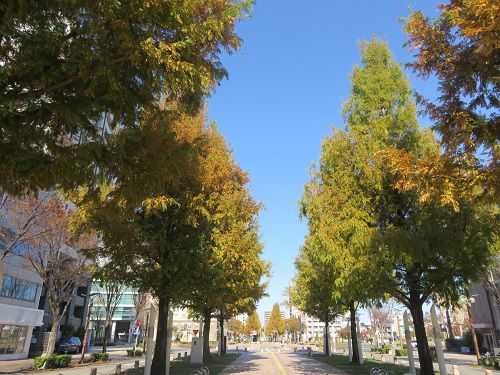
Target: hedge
99	357
401	352
53	361
138	353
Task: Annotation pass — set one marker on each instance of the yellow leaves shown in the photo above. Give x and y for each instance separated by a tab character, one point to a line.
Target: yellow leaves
437	178
158	204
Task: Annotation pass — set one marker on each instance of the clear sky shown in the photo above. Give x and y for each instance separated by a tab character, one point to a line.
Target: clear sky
284	92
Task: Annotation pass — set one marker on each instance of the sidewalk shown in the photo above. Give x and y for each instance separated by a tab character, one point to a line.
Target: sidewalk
117	354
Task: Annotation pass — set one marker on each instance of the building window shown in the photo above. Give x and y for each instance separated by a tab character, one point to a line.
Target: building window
78	312
12	339
19	289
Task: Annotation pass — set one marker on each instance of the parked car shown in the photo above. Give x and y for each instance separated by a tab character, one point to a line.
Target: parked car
70	345
414	343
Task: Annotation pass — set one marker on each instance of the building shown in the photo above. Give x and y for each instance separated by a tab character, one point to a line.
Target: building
19	298
267	316
485	314
123	316
183	326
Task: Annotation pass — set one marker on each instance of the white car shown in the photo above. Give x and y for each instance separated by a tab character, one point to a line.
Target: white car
414	343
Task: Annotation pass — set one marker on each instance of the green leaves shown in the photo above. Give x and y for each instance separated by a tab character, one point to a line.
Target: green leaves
66	65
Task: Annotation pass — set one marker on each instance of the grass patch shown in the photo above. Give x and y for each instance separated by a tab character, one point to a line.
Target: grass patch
183	366
341	362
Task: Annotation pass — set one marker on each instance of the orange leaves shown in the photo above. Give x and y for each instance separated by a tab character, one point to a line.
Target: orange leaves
437	178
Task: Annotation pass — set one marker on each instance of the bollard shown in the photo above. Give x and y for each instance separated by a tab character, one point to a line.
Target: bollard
237	351
454	370
93	371
136	364
246	349
309	353
236	347
395	360
179	355
118	369
185	354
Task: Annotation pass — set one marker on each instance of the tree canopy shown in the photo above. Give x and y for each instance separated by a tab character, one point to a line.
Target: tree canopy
382	239
87	68
460	49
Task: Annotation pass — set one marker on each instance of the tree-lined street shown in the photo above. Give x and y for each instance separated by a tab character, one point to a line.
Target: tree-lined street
151	199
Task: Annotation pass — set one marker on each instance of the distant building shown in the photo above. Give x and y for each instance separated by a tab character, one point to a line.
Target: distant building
122	318
313	328
185	326
486	315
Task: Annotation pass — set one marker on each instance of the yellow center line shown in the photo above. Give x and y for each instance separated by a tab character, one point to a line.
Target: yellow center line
278	363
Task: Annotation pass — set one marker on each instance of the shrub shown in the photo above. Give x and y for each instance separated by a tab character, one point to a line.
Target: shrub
401	352
138	353
99	357
454	344
490	362
53	361
469	341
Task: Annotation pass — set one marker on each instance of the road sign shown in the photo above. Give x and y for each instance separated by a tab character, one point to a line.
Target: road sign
195	331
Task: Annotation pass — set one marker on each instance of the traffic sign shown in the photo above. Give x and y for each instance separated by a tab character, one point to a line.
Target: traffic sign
195	331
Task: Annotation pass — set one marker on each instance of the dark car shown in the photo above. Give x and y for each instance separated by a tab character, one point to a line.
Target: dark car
70	345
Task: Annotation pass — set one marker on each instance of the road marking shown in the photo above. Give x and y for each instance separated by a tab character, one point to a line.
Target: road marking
278	363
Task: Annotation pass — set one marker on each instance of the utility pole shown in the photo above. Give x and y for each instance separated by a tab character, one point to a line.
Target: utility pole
473	331
85	337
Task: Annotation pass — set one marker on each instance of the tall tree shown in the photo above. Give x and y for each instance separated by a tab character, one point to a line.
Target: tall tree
293	327
276	325
233	270
253	323
314	290
159	214
72	72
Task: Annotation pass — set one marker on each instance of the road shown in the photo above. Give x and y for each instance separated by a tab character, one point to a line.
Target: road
277	363
268	360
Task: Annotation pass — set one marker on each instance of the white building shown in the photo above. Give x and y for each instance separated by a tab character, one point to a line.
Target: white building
185	326
314	329
19	297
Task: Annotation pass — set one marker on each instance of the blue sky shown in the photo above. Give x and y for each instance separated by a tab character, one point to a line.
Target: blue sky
284	92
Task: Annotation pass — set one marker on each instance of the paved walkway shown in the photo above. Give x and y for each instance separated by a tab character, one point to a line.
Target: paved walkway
278	363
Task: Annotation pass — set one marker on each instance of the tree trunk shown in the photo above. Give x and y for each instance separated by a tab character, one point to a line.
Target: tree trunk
107	326
51	343
206	335
159	363
354	336
221	323
424	353
327	340
450	327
